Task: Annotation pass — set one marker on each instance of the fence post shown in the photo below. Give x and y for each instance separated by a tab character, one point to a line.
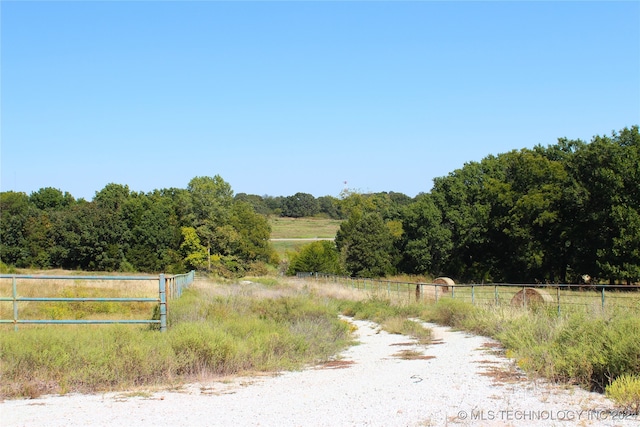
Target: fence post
163	303
524	296
495	291
436	292
558	297
15	304
473	295
603	299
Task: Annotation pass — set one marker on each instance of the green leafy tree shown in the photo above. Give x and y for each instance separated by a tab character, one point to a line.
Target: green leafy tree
50	198
605	228
366	245
427	243
329	206
14	214
300	205
247	235
320	256
195	255
462	199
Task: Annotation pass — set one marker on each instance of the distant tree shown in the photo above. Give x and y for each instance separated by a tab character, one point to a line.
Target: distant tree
605	231
14	214
253	233
195	255
50	198
300	205
329	206
366	245
466	208
275	204
320	256
257	202
428	242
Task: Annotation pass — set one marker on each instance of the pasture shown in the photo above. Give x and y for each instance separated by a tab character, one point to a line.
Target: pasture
303	228
77	288
290	234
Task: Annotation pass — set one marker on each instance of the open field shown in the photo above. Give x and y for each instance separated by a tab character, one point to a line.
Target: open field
303	228
77	288
446	377
290	234
223	327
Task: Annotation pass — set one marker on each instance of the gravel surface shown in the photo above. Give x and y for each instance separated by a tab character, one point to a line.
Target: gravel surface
386	380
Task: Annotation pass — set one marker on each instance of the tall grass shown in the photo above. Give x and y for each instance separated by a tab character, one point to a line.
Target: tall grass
208	335
394	318
575	347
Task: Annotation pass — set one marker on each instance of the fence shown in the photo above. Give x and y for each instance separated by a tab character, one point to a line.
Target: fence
601	298
169	287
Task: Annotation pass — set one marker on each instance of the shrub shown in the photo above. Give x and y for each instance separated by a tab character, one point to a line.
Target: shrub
625	391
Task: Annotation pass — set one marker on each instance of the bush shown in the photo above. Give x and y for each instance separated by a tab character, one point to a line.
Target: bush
625	391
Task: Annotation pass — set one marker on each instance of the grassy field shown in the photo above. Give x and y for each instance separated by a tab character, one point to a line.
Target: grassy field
303	228
215	328
263	324
289	234
77	288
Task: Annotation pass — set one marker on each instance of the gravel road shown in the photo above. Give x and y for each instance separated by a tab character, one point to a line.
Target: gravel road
386	380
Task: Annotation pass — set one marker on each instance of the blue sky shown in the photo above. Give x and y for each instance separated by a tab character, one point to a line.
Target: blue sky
286	97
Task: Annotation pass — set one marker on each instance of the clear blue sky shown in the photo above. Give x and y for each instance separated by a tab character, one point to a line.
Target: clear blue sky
286	97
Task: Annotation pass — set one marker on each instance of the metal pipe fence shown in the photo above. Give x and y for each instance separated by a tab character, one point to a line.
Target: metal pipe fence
562	297
169	287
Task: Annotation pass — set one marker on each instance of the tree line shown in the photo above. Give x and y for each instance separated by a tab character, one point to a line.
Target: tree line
546	214
172	230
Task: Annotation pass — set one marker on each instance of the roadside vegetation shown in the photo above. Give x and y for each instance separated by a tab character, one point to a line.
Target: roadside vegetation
223	330
595	352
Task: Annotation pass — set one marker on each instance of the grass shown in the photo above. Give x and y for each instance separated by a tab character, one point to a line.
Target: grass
284	247
221	330
78	288
393	318
296	232
575	347
583	344
303	228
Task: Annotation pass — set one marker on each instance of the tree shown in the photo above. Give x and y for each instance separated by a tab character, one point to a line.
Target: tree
462	199
253	231
328	205
320	256
427	243
195	255
50	198
366	245
300	205
14	213
604	229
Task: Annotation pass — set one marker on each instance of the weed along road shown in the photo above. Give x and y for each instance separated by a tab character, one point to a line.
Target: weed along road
385	380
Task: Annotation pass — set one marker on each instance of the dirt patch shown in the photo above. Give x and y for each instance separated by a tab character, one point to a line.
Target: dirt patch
336	364
504	375
412	355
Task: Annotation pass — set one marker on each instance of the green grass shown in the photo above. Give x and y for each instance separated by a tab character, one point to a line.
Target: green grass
584	345
575	347
393	318
209	334
303	228
283	247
